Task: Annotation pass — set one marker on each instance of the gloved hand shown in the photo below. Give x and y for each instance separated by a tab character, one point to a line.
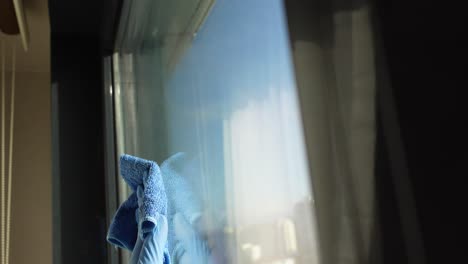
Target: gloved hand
150	250
195	249
150	246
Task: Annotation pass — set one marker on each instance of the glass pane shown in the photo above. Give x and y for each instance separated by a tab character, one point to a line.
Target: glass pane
218	98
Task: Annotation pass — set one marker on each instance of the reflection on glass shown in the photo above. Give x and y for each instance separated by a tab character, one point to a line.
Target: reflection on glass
227	103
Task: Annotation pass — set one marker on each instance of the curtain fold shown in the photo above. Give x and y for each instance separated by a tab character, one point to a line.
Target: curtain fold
334	59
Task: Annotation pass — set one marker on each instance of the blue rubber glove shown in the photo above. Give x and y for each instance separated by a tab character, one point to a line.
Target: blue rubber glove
150	246
195	249
150	250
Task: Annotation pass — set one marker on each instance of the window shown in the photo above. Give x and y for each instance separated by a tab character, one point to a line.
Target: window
215	81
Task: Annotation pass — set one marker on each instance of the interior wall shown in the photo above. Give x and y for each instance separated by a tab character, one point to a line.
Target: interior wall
31	223
31	209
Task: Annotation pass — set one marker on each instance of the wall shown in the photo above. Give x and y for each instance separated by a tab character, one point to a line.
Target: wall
31	222
31	227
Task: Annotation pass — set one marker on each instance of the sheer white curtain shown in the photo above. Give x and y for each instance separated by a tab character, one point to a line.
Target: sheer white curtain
334	59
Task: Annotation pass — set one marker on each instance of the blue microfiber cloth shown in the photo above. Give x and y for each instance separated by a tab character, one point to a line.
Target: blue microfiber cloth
123	228
181	181
148	205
